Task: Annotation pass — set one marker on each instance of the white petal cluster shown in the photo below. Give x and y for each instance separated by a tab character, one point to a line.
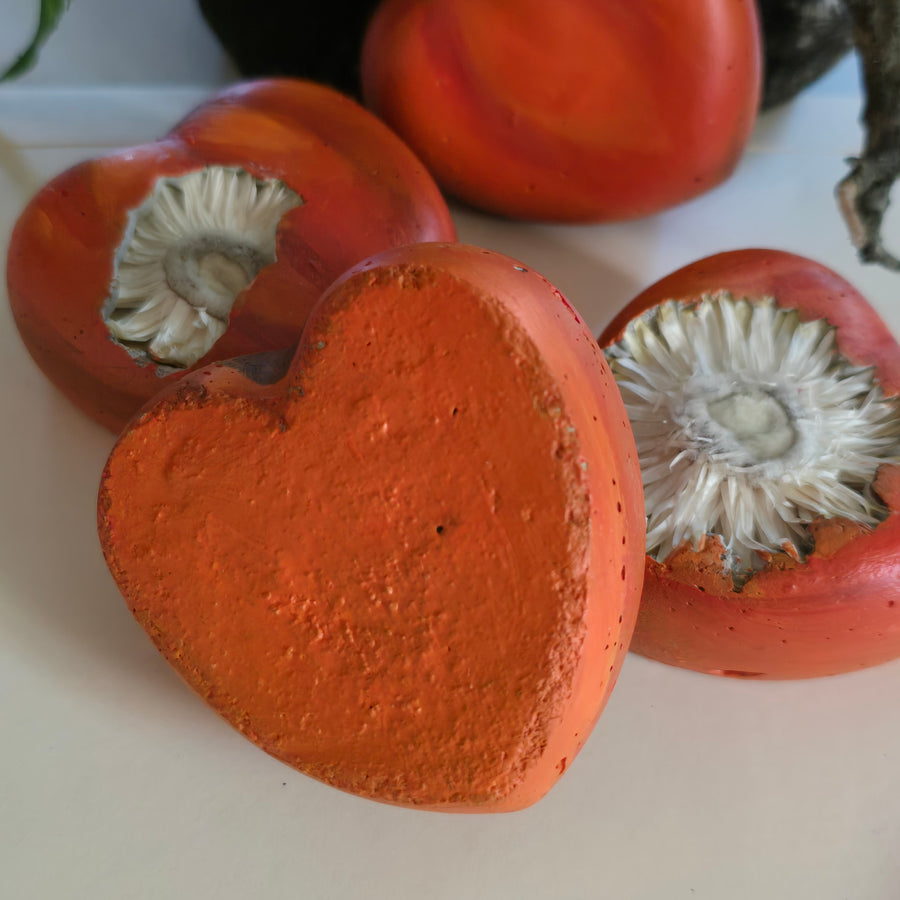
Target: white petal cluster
749	424
190	248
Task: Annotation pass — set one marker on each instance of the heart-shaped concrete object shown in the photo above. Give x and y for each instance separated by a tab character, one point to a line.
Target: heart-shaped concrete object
214	241
410	565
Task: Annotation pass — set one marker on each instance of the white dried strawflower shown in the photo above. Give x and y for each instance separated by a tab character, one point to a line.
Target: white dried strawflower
190	249
749	425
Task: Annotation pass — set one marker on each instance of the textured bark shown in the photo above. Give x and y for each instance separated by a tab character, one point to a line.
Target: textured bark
864	194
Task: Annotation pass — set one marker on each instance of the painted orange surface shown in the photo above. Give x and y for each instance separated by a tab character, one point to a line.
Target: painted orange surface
568	111
363	191
837	611
408	563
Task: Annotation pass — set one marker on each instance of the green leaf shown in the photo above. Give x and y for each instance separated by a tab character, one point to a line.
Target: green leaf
51	13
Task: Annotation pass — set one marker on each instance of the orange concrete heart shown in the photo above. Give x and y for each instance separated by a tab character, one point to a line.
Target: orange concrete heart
408	566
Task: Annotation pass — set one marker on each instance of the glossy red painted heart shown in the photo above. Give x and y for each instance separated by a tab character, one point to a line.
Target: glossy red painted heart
762	388
408	562
214	241
573	110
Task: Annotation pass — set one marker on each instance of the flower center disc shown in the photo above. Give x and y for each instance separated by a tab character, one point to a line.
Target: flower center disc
756	423
210	271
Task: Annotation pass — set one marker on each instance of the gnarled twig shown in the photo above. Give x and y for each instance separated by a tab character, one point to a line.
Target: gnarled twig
864	194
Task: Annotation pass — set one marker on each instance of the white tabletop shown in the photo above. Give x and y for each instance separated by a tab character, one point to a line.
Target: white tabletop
117	782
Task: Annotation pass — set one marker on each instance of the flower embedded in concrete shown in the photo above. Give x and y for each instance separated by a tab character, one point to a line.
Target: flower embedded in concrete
763	392
125	267
191	248
750	425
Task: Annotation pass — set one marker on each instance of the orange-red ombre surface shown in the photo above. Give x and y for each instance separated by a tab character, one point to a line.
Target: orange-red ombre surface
572	110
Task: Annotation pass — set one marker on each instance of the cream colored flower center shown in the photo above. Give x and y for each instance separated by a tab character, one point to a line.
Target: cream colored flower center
191	248
749	425
756	422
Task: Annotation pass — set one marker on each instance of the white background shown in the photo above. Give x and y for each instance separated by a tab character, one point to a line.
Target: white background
117	782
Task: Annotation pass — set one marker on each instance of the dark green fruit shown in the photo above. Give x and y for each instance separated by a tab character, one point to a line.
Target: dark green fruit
803	39
320	42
